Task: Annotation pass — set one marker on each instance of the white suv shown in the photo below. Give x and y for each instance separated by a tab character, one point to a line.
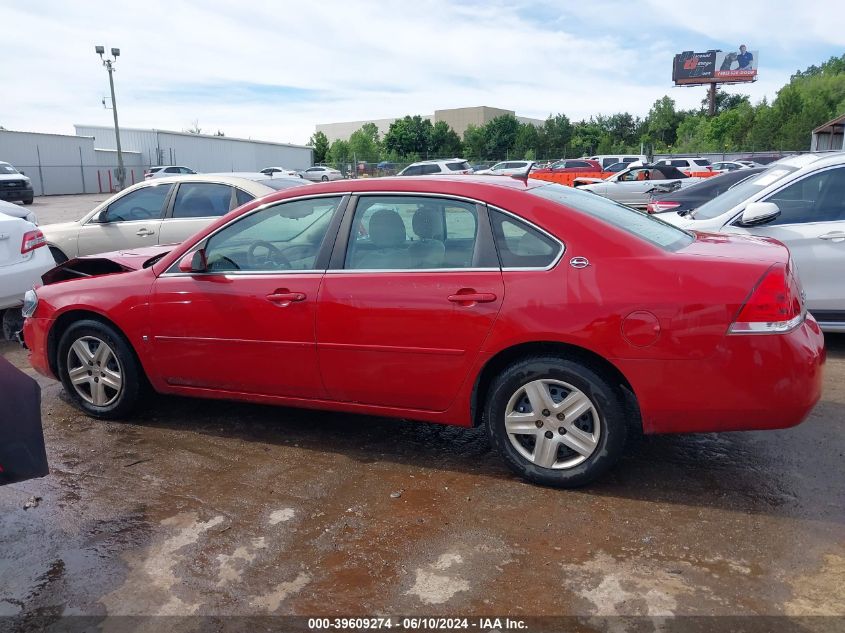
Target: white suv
799	201
447	166
686	165
508	168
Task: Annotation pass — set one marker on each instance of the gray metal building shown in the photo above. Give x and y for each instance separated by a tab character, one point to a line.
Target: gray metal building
86	163
201	152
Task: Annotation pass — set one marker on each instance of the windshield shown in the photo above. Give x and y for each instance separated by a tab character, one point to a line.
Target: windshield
742	191
641	225
7	169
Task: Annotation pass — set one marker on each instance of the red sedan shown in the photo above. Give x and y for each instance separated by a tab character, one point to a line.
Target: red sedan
554	316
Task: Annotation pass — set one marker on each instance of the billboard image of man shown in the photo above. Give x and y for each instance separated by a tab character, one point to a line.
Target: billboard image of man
744	58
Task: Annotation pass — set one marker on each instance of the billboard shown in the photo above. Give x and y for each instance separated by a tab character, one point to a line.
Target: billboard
691	68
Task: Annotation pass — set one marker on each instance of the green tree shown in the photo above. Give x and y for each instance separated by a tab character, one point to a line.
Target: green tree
526	141
320	143
500	136
364	143
555	136
663	122
409	135
474	142
338	153
444	141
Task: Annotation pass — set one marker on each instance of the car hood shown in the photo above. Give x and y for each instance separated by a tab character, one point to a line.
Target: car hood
13	177
105	263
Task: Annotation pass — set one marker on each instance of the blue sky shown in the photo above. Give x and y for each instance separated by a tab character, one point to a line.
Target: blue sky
273	70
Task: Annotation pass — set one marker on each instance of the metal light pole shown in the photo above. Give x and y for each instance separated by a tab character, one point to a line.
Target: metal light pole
109	64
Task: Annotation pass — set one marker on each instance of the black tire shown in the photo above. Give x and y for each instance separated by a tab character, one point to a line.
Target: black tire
58	256
609	411
28	201
133	379
325	178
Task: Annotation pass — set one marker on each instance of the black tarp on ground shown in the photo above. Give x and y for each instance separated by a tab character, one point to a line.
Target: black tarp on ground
22	452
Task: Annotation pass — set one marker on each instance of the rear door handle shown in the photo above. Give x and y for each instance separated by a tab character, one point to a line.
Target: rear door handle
471	298
284	297
834	236
144	232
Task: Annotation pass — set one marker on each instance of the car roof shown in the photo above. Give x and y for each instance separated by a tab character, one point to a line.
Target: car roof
251	185
444	184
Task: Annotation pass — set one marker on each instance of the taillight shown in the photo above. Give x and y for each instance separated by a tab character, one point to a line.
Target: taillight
661	206
775	305
31	241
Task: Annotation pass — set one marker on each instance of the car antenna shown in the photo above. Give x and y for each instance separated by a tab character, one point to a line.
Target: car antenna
524	176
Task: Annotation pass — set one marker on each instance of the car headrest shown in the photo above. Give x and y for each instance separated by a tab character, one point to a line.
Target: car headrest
387	228
428	223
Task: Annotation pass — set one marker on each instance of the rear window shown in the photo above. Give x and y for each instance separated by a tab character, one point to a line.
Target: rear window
458	166
641	225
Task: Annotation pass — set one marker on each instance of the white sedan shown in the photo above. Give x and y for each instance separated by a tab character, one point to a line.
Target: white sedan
23	259
319	173
507	168
275	172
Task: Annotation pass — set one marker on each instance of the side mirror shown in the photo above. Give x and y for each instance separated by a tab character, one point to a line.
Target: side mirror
759	213
194	262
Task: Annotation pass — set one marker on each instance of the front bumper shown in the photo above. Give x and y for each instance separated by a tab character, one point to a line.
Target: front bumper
752	382
35	333
16	194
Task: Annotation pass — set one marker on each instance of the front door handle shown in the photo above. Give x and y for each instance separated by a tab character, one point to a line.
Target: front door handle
834	236
469	298
284	297
144	232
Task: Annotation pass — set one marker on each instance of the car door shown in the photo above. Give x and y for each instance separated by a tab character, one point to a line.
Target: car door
812	224
631	186
194	206
132	220
246	323
413	291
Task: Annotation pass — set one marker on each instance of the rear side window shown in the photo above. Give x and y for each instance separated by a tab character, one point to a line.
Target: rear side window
702	162
520	245
430	169
202	200
459	166
243	197
641	225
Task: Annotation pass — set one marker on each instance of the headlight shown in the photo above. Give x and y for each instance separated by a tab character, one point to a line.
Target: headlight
30	303
28	184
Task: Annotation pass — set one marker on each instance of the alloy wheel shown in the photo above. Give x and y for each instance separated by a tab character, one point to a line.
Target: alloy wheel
552	424
94	371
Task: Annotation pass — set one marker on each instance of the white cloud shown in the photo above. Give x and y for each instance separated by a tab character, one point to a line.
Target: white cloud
222	63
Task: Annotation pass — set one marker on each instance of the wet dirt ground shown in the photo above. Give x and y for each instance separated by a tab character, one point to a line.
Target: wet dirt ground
200	507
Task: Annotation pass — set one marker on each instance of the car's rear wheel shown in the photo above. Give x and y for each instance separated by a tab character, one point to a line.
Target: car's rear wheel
98	369
556	422
325	178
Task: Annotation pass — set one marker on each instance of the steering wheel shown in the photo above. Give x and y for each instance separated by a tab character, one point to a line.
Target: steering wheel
273	256
140	213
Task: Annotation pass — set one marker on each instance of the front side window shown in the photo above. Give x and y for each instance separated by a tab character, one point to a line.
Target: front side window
413	170
285	236
146	203
816	198
520	245
412	232
202	200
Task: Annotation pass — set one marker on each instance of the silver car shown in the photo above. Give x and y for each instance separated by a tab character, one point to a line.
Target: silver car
157	211
799	201
633	186
319	173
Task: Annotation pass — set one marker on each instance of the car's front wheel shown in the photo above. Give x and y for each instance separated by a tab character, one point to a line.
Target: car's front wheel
98	369
325	178
556	422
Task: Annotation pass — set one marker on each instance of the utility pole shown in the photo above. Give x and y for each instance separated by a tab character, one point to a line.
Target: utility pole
109	64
